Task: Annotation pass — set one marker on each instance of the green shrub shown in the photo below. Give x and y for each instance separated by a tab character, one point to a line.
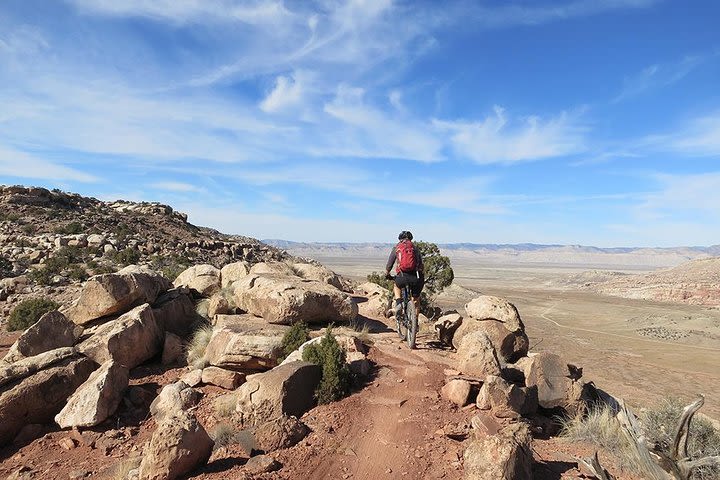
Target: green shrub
72	228
293	338
9	217
29	229
438	272
127	256
28	312
78	273
6	267
335	382
170	265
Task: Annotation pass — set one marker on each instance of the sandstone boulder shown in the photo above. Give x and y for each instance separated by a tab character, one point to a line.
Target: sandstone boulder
457	391
173	350
509	345
52	331
218	305
173	398
285	390
281	432
175	312
506	400
222	378
446	327
204	279
280	269
233	272
504	456
551	375
488	307
260	464
130	340
476	355
27	366
244	342
97	398
287	300
317	272
178	445
113	293
38	398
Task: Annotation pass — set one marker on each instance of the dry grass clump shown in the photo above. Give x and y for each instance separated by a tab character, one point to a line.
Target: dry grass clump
121	470
224	405
599	427
198	344
225	435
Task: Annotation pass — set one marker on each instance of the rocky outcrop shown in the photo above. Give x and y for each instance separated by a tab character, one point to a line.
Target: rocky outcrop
52	331
476	355
280	269
552	377
204	279
318	272
114	293
487	307
175	312
506	455
38	398
233	272
287	300
27	366
222	378
244	342
130	340
178	445
97	398
285	390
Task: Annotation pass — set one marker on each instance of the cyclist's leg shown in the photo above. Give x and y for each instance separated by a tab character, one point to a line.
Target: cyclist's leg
416	288
397	294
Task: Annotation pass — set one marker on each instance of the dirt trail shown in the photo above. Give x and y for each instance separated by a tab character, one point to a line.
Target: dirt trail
393	427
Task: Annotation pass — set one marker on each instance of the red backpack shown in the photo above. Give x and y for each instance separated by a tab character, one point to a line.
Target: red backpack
406	257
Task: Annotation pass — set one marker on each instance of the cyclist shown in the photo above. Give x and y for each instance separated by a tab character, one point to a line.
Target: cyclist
409	270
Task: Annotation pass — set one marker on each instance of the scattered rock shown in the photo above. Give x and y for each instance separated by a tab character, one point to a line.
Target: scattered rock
505	456
220	377
174	398
233	272
27	366
476	355
506	400
457	391
244	342
281	432
446	327
262	464
487	307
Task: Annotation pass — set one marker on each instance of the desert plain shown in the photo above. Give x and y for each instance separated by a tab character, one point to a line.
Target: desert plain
638	350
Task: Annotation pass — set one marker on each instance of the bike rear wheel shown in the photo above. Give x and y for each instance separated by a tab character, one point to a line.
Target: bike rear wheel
412	324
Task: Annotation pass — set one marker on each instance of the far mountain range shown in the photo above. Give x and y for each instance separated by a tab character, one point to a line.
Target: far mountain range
523	253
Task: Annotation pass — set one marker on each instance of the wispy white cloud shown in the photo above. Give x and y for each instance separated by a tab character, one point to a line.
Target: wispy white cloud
286	93
16	163
701	137
691	194
661	75
177	187
498	140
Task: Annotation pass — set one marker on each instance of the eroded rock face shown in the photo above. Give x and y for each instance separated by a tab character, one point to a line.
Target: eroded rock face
476	355
244	342
222	378
52	331
318	272
204	279
281	432
272	268
550	374
285	390
179	445
175	312
96	399
286	300
509	345
27	366
113	293
130	340
504	456
38	398
488	307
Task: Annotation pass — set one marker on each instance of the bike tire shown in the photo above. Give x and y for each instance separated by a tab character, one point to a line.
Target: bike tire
401	325
412	324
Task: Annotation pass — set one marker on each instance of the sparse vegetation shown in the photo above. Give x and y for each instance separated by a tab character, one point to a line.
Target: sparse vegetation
222	435
224	405
336	377
72	228
63	259
294	337
6	267
170	265
28	312
600	427
9	217
198	344
126	256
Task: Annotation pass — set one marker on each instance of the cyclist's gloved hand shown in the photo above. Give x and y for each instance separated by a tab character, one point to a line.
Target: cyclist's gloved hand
388	276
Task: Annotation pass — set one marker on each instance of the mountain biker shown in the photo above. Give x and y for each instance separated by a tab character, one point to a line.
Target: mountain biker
409	270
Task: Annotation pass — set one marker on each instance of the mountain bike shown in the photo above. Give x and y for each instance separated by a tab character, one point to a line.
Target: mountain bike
407	318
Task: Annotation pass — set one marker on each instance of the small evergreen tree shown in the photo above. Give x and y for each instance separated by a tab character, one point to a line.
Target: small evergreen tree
293	338
335	382
28	312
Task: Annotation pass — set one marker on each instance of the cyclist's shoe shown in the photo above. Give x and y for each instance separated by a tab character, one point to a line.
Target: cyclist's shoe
397	309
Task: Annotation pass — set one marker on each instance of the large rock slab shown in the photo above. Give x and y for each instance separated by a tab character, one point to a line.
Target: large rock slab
96	399
38	398
233	272
52	331
504	456
204	279
287	300
222	378
179	445
129	340
509	345
114	293
476	355
550	374
285	390
27	366
489	307
272	268
244	342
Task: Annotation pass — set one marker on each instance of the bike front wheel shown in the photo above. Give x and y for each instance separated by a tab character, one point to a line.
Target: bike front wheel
412	324
401	325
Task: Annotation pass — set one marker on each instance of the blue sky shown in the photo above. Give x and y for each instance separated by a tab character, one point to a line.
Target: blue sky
561	121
